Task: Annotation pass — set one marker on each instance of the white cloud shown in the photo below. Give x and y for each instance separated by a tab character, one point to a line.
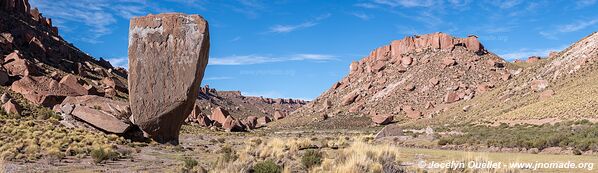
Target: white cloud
366	5
259	59
93	19
119	62
577	26
361	15
291	28
525	53
406	3
585	3
217	78
506	4
566	28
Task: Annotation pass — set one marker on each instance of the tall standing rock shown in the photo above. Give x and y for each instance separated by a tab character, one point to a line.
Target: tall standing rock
168	54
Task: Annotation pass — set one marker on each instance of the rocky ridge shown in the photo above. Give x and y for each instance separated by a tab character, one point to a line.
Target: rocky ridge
414	78
252	112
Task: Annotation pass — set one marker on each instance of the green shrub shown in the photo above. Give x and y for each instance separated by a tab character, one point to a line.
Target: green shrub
228	155
100	155
189	163
311	158
266	167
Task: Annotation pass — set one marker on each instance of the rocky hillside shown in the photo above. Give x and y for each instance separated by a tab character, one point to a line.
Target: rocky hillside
241	107
414	78
558	88
44	76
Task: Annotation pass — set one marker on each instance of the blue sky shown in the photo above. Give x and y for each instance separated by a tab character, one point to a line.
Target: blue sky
299	48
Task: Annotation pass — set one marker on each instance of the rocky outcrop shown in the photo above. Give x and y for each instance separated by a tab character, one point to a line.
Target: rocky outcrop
433	69
168	54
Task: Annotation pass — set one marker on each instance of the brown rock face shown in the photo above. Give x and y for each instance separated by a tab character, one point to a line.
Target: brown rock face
168	54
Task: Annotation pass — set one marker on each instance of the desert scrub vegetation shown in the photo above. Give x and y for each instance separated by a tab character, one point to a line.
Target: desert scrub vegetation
28	139
579	135
288	154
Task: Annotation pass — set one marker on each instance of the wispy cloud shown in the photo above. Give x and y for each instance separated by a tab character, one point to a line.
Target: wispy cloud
259	59
566	28
525	53
93	19
406	3
361	15
506	4
366	5
217	78
577	26
119	62
290	28
585	3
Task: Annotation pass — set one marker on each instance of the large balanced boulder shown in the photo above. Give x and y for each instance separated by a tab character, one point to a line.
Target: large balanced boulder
168	54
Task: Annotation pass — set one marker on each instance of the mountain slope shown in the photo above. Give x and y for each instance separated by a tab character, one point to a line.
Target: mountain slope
413	78
561	87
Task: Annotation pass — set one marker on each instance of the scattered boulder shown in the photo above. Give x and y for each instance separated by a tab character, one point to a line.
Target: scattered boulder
114	83
546	94
378	66
100	119
74	84
539	85
409	87
382	119
533	59
16	65
42	90
5	98
389	131
232	125
451	97
118	109
219	116
413	114
203	120
250	122
168	54
434	81
350	98
506	76
12	108
356	108
406	61
279	115
262	121
448	61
